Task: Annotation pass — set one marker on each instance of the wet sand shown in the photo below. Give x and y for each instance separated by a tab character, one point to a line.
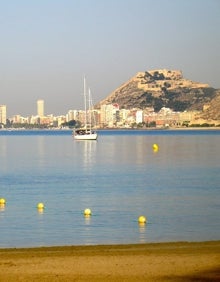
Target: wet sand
181	261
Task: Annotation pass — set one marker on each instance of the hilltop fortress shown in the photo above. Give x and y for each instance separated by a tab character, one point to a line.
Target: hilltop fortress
156	79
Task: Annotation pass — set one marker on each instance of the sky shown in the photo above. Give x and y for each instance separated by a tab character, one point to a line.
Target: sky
48	46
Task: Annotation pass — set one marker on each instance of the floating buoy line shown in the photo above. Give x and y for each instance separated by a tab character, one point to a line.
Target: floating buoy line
87	212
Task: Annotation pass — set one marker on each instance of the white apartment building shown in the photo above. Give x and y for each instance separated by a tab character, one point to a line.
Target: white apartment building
72	115
139	117
109	114
3	114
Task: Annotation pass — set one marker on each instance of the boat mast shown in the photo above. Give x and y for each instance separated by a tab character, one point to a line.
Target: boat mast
84	90
90	118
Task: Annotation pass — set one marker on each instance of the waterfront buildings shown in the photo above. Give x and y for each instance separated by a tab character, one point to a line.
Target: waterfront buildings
108	116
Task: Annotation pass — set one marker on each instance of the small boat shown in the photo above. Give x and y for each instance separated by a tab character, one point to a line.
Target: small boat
86	133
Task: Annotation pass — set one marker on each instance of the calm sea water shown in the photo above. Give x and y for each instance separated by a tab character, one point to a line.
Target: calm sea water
119	177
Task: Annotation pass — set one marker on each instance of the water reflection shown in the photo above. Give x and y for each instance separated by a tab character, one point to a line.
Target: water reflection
87	232
41	149
40	227
2	207
142	233
3	147
40	210
3	153
87	219
126	151
89	152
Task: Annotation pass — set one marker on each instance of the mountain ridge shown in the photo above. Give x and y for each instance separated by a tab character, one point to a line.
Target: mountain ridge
166	88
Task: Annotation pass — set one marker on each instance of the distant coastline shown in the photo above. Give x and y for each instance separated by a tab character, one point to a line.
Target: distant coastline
111	129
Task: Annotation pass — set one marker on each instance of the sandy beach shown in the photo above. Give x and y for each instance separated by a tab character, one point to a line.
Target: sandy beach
181	261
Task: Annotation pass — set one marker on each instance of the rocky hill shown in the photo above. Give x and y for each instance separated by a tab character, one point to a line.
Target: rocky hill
212	110
165	88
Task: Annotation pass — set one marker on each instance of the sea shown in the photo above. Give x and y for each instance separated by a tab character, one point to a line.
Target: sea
171	177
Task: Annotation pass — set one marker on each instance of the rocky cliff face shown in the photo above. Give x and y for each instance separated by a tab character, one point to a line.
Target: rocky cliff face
163	88
212	110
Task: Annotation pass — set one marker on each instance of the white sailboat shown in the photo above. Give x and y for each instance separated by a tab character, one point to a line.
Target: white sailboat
86	133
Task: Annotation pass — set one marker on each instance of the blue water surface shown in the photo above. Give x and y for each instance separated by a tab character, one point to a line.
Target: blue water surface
119	177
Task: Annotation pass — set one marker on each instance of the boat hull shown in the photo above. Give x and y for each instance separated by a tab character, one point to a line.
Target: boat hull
90	136
86	137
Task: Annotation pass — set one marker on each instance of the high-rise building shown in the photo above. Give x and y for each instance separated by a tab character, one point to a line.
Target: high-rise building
40	108
3	114
109	114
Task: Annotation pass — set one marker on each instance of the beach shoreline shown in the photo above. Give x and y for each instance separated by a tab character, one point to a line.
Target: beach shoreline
177	261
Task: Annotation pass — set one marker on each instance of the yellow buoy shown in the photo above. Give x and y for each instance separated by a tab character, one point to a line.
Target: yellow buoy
142	219
155	147
2	201
40	206
87	212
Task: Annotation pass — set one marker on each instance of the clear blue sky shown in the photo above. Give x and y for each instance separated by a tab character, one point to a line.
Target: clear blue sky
47	46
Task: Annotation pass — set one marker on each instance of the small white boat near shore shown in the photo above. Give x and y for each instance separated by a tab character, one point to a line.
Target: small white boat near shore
85	134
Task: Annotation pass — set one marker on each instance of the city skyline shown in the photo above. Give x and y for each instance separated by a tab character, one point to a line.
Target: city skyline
108	42
38	111
108	116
